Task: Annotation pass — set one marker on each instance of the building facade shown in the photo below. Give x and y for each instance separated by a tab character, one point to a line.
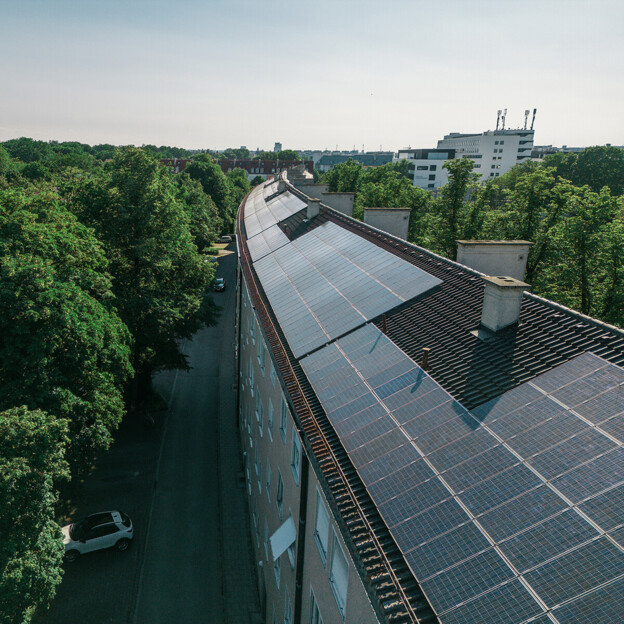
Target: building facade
422	443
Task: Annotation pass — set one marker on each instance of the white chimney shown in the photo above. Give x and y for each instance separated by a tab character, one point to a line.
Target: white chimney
281	186
502	300
313	208
495	257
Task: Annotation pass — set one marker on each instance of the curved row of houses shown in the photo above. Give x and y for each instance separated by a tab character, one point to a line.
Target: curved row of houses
422	443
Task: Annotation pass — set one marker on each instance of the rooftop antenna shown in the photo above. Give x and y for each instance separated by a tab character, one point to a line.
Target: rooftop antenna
503	118
533	120
526	117
498	114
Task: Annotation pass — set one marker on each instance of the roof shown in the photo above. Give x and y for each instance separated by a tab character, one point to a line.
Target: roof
439	466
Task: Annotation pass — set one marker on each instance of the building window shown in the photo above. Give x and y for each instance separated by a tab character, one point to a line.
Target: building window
283	419
295	456
431	185
272	374
266	539
277	571
270	418
339	576
252	327
432	176
287	610
495	142
321	527
261	355
433	167
268	480
259	475
422	168
260	414
315	614
256	459
502	142
279	496
251	377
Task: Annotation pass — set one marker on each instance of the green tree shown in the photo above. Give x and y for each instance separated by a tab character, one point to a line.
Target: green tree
450	205
612	264
345	177
159	276
28	150
238	153
257	180
288	155
600	166
239	186
204	221
32	448
64	350
215	185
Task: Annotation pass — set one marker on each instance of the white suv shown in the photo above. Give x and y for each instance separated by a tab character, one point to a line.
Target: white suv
101	530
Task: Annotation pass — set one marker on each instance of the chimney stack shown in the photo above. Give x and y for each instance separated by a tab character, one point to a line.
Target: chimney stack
313	208
281	185
495	257
502	300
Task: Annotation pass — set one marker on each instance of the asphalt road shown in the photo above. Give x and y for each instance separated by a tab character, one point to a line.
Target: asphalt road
166	478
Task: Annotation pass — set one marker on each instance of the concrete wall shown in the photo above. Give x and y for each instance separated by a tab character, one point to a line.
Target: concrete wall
342	202
315	191
395	221
261	393
507	258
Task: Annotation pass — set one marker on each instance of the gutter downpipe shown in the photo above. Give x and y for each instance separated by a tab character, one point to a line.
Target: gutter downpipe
303	510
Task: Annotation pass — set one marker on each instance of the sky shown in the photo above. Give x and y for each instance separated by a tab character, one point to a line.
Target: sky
322	74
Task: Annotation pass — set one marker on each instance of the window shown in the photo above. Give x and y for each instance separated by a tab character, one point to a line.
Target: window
315	614
432	176
256	459
259	413
277	571
266	539
251	377
502	142
295	456
270	419
431	185
259	475
272	374
283	421
279	497
422	168
268	479
291	555
321	527
252	327
261	355
433	167
495	142
339	575
287	610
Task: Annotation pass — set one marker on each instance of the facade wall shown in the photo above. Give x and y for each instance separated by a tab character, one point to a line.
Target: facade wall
273	453
395	221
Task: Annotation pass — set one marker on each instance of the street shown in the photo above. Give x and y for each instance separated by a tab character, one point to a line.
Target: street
190	561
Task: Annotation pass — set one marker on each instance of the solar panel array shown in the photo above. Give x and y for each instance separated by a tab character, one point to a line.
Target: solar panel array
261	215
266	242
330	281
505	514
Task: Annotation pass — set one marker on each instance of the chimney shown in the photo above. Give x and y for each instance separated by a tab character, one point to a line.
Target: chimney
501	302
495	257
313	208
281	186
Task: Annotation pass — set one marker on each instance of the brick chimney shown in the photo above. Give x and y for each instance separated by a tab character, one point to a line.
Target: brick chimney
502	300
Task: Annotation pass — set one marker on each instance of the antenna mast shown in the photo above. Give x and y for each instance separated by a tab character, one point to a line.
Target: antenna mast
498	114
526	117
504	116
533	120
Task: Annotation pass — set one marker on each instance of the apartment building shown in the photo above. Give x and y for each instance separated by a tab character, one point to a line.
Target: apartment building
422	442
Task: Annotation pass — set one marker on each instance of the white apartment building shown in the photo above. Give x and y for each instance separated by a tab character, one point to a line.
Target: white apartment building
493	153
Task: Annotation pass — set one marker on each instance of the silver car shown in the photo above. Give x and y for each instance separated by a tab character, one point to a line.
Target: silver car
97	531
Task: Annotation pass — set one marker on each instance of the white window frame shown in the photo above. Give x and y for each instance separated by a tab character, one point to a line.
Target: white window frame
295	456
260	414
279	494
284	419
272	374
321	537
270	420
340	593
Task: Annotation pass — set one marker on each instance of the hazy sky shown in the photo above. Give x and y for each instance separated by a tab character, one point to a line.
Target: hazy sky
315	74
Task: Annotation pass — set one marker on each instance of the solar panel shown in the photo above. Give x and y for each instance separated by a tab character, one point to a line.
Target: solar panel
505	604
447	550
576	572
523	419
393	483
570	372
466	448
606	509
615	427
467	580
602	606
604	406
547	540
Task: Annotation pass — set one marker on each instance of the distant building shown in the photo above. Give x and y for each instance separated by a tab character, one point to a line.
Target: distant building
369	159
262	168
493	153
426	166
277	147
176	165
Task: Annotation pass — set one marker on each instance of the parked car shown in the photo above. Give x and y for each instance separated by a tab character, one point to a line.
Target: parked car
219	284
106	529
224	239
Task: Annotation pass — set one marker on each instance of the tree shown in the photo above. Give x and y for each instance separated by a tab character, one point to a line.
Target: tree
32	459
159	276
288	155
204	221
239	186
257	180
345	177
450	204
64	349
612	263
238	153
600	166
215	185
28	150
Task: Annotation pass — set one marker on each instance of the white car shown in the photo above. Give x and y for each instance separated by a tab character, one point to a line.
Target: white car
97	531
